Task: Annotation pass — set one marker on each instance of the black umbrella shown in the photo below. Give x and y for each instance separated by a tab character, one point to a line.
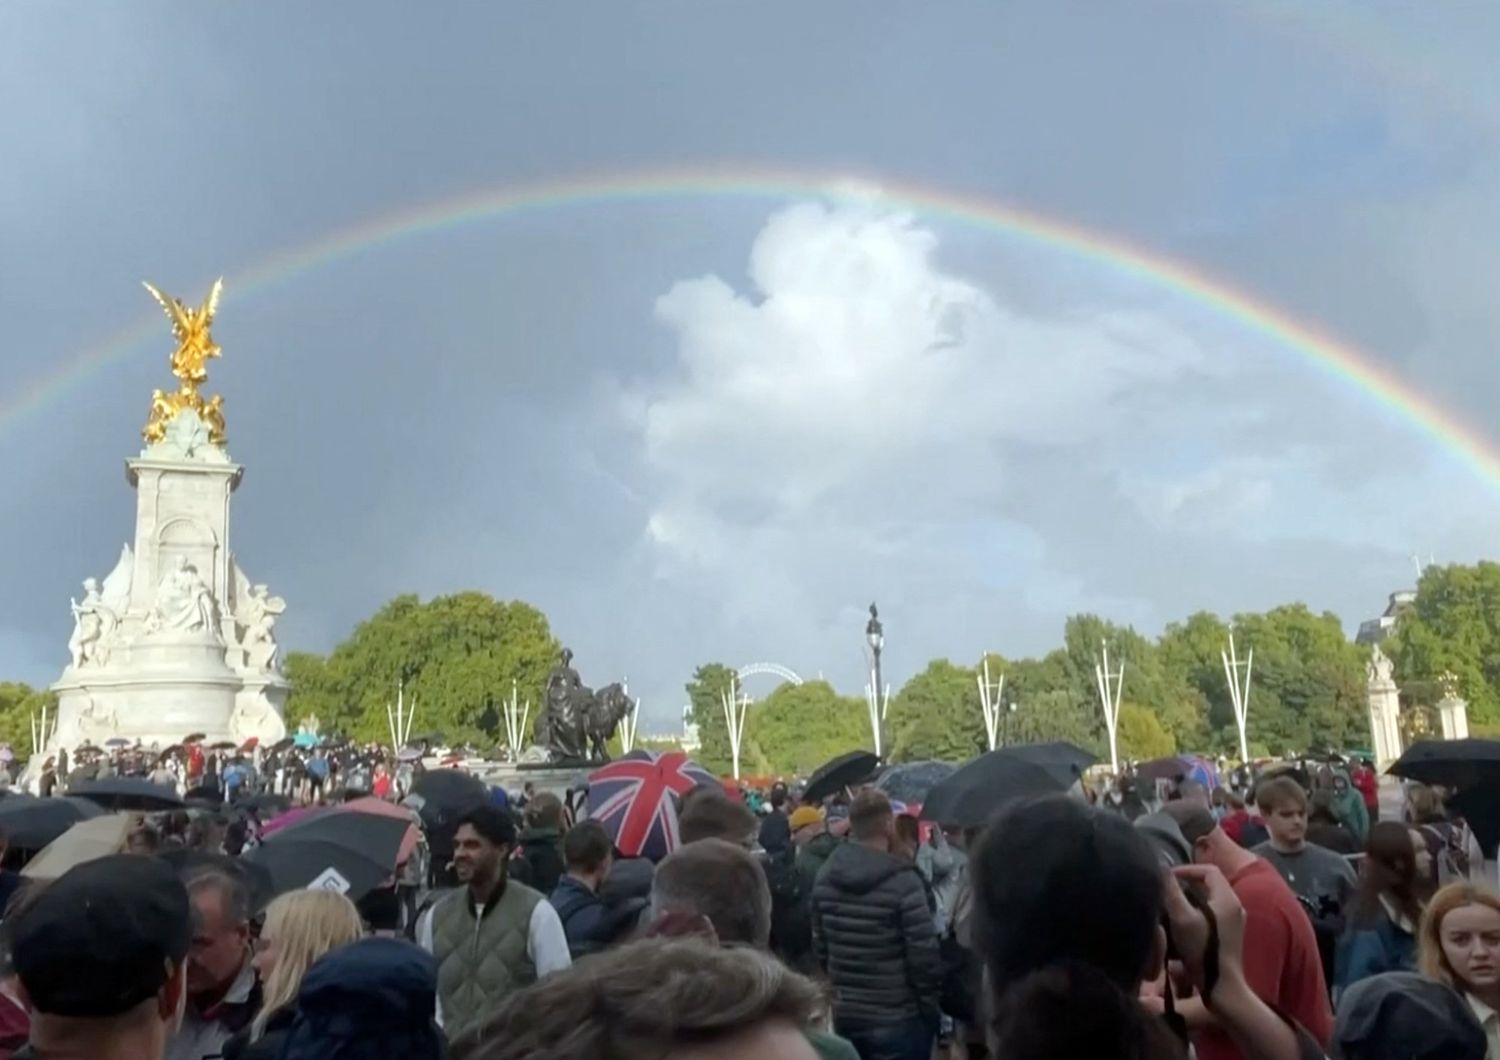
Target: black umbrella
845	771
351	853
1452	763
911	781
255	877
1068	760
971	796
451	790
30	823
446	795
127	793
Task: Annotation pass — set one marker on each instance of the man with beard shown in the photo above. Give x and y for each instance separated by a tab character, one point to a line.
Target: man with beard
494	935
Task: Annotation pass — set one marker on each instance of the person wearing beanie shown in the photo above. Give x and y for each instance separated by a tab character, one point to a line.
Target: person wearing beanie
370	1000
803	817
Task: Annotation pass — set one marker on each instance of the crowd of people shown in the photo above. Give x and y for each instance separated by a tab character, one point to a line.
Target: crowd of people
300	768
1267	920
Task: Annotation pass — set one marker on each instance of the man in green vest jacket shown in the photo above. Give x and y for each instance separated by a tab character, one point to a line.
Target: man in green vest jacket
494	935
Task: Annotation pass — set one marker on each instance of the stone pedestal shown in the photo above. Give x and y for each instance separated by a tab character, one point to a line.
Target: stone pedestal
1453	714
175	640
1385	711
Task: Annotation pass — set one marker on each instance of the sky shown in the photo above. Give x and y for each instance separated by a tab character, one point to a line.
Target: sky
699	426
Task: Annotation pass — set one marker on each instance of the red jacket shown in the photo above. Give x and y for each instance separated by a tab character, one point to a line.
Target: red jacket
1364	780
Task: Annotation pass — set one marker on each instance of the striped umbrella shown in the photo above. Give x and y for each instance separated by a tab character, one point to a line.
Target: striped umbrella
632	798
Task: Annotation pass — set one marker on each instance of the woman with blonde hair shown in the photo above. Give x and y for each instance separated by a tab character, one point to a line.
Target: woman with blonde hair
300	927
1460	945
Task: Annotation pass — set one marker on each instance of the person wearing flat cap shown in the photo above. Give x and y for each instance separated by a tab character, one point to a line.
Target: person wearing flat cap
101	957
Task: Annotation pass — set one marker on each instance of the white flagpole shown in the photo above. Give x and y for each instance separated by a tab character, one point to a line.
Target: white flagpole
735	709
1239	692
1110	686
990	702
631	721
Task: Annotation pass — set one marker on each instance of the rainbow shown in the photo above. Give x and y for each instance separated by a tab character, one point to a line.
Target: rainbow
1334	358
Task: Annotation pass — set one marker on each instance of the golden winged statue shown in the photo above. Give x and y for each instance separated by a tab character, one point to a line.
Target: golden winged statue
193	330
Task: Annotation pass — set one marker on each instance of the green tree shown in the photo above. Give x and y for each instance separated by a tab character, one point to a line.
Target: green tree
710	682
1050	705
936	715
1148	680
1308	683
1141	734
456	656
799	727
1454	627
19	703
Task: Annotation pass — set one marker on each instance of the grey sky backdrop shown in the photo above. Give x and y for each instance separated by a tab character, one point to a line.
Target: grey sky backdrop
716	427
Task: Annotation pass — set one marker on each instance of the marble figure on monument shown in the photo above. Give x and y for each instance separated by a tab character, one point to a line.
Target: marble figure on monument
96	619
183	603
97	722
255	614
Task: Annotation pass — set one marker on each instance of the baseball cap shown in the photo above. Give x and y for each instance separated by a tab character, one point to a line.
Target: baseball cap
102	937
1193	820
1407	1016
1165	836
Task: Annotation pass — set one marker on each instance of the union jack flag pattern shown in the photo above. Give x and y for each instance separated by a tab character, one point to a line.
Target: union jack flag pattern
632	798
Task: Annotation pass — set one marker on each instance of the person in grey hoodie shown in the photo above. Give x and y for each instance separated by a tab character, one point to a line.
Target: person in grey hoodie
874	936
941	860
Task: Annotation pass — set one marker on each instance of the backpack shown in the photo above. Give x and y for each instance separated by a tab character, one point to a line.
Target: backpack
959	994
791	918
1450	850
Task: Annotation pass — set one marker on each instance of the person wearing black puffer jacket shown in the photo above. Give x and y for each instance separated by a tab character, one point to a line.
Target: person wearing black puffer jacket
873	934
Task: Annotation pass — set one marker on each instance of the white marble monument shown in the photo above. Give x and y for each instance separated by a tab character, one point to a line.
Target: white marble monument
1453	710
176	639
1385	709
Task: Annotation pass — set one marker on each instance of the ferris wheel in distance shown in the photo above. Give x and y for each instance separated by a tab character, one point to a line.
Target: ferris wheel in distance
767	669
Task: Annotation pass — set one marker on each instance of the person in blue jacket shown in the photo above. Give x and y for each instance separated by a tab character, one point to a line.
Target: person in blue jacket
589	921
1381	932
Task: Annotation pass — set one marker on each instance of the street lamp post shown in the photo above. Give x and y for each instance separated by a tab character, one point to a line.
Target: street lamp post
1010	708
877	694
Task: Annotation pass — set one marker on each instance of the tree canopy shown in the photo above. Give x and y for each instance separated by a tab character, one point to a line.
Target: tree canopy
709	683
456	656
797	728
935	715
1453	627
19	703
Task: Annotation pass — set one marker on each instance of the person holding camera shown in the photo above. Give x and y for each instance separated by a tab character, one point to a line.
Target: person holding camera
1281	960
1071	975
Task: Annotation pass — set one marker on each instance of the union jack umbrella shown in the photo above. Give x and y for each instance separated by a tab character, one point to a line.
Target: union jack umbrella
632	798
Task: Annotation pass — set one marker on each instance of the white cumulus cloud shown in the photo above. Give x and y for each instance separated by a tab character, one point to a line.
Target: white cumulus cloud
858	408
